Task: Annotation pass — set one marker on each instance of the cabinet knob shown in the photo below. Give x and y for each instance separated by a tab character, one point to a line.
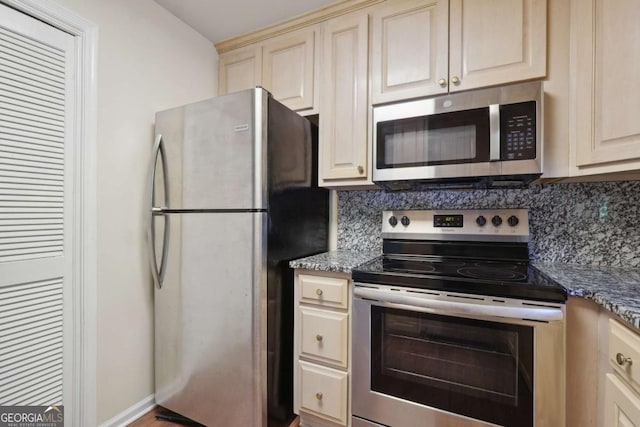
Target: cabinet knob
622	360
319	292
360	169
442	82
319	395
455	80
319	338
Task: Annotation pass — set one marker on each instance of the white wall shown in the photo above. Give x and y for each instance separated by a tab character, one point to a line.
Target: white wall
148	60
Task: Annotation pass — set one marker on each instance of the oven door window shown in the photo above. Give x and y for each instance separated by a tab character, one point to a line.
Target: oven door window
483	370
437	139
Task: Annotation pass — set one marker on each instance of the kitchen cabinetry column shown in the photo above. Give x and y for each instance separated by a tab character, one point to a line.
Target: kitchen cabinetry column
322	345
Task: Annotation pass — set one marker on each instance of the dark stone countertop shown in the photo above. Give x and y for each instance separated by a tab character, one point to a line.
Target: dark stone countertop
336	261
616	289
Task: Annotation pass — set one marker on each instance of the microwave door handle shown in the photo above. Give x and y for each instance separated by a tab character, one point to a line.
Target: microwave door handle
403	301
494	132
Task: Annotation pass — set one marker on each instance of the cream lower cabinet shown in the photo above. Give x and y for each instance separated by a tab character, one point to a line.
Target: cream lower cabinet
427	47
321	345
603	388
622	391
605	98
582	362
622	406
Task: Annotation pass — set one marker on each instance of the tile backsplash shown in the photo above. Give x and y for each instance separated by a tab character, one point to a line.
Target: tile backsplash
578	223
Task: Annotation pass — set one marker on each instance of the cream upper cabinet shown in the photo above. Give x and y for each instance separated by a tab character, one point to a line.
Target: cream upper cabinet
409	52
427	47
239	69
606	95
289	65
496	42
344	146
286	65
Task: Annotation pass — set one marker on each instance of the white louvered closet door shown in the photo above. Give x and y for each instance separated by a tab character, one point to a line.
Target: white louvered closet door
36	72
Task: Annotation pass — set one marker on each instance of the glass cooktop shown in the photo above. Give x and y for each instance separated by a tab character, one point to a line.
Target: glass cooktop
510	279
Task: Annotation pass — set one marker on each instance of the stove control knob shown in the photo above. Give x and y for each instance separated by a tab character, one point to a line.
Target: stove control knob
481	220
496	220
405	220
393	221
513	220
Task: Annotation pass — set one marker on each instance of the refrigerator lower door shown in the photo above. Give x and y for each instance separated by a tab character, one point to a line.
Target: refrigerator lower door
210	319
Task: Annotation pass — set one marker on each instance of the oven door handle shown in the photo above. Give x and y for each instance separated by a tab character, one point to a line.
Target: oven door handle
464	308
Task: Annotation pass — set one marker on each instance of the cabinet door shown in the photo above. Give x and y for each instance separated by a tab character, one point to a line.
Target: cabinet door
324	335
496	42
622	406
344	145
606	49
239	69
323	392
410	49
288	68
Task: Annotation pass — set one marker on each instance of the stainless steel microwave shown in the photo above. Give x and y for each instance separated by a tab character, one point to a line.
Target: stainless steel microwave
482	138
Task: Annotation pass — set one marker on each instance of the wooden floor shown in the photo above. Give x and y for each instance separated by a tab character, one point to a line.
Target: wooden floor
149	420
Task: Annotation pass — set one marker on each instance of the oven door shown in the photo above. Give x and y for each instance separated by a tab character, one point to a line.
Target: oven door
426	359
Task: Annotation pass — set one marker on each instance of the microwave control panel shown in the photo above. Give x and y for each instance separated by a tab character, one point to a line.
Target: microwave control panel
518	131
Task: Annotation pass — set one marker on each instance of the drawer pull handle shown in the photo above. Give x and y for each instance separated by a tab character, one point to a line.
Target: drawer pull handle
319	292
319	338
319	396
622	360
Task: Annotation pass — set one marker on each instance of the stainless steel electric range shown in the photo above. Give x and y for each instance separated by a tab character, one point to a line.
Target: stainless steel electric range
453	327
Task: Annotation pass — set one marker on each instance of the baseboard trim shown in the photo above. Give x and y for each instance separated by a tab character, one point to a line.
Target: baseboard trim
132	413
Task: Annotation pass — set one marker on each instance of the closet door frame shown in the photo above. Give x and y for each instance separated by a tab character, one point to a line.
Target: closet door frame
80	379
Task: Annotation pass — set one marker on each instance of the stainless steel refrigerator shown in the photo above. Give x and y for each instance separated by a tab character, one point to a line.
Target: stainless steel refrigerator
233	199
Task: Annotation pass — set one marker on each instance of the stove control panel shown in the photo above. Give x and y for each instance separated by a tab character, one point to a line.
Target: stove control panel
474	225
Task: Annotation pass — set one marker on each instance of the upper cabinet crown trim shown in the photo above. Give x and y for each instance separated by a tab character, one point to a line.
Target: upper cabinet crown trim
316	16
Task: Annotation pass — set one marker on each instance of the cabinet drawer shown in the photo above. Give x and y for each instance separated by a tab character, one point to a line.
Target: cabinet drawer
624	345
325	291
324	335
622	406
323	392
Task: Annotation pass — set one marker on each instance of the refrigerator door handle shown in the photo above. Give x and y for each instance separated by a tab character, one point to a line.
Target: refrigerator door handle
158	272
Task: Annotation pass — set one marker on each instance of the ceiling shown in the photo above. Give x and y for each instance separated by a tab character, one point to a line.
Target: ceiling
218	20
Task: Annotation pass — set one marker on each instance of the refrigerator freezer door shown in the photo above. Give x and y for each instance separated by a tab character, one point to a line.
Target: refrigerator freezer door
216	153
210	320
